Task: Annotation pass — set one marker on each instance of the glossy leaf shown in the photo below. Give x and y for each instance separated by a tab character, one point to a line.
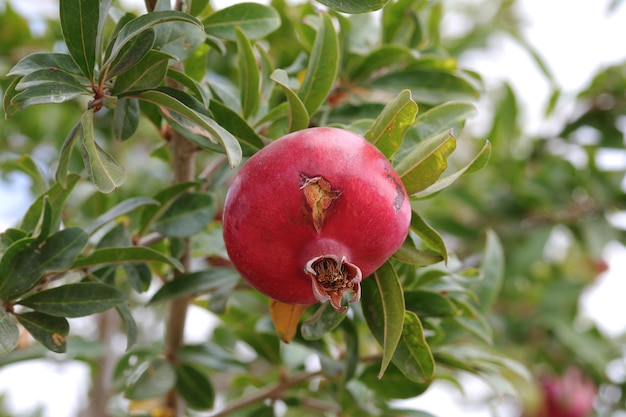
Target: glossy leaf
411	255
198	123
393	385
65	154
429	86
383	308
119	255
126	118
55	79
198	91
194	386
104	172
230	120
26	261
148	73
46	93
428	235
9	333
158	378
384	57
44	60
255	20
323	66
120	209
298	114
56	196
390	126
324	320
48	330
249	74
476	164
74	300
79	23
424	165
141	23
428	303
179	39
133	52
355	6
188	214
195	283
413	356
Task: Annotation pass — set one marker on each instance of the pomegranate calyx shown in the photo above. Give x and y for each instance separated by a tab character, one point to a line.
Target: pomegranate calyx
319	195
331	277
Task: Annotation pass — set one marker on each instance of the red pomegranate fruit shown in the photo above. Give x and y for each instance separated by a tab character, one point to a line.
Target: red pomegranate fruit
312	214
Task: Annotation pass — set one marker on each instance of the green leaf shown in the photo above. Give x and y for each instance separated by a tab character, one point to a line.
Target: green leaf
255	20
141	23
427	303
65	154
129	323
48	330
491	279
139	276
393	385
56	196
383	308
323	66
45	93
118	210
476	164
424	165
411	255
28	166
383	57
79	24
195	387
104	172
9	333
195	283
120	255
75	300
26	261
198	91
157	379
429	236
298	114
230	120
148	73
429	86
179	40
472	320
126	118
249	74
164	198
132	53
198	123
413	356
188	214
388	131
44	60
354	6
324	320
446	116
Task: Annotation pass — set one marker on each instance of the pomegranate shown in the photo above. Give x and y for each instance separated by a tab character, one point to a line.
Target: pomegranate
312	214
570	395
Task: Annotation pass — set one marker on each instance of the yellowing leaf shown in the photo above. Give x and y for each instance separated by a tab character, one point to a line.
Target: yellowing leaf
286	318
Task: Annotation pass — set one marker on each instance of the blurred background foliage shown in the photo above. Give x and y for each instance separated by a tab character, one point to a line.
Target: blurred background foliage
549	199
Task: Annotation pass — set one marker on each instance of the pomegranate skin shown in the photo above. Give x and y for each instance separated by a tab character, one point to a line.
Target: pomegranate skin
318	192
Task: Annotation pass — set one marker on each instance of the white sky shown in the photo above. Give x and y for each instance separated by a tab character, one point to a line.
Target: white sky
576	38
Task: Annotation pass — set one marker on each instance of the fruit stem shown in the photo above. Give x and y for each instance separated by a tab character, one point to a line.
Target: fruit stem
331	277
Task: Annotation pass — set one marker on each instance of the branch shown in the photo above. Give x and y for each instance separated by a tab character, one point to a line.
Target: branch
270	392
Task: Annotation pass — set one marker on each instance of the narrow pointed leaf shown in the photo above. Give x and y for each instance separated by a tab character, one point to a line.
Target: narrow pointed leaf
48	330
104	172
147	73
428	235
26	261
188	214
126	118
195	283
165	198
323	66
118	210
391	125
46	93
129	323
449	115
119	255
424	165
255	20
413	356
195	387
249	75
411	255
56	195
198	123
383	57
9	333
79	23
354	6
132	53
75	300
65	154
230	120
383	308
144	22
476	164
298	114
492	272
44	60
